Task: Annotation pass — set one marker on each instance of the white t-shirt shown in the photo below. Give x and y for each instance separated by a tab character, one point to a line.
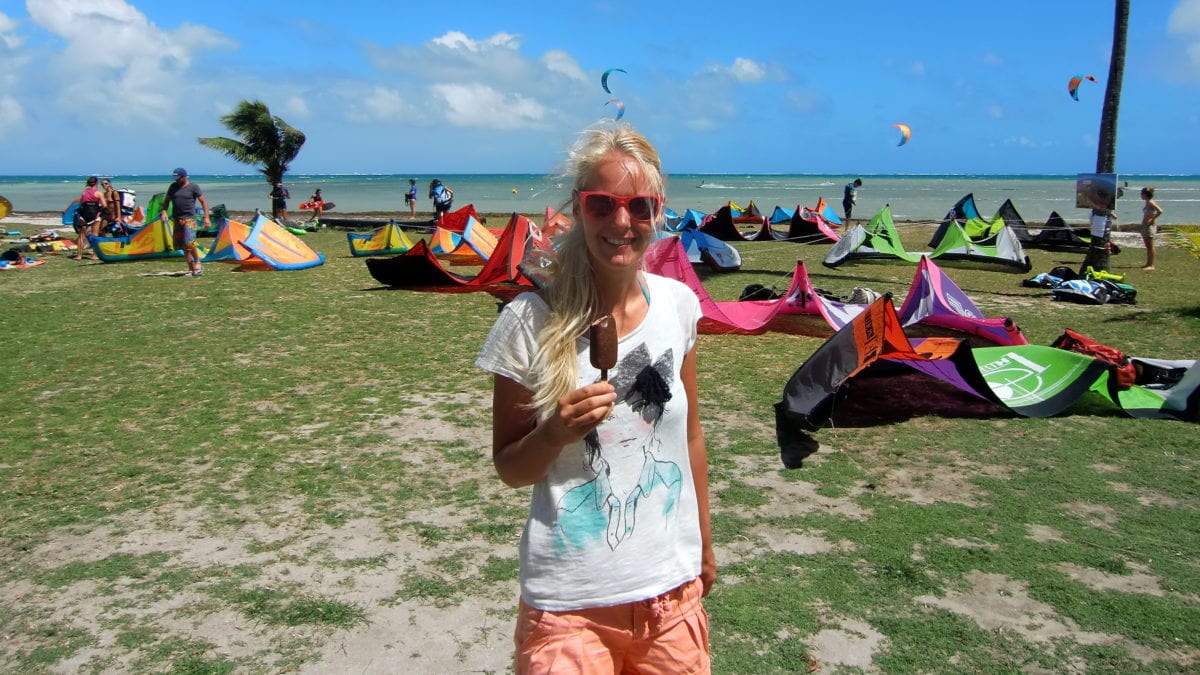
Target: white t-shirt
615	518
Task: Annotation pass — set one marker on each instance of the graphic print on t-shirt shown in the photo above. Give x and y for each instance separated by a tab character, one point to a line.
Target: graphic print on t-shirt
621	457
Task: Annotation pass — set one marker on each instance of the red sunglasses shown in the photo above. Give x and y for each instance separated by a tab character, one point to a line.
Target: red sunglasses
601	205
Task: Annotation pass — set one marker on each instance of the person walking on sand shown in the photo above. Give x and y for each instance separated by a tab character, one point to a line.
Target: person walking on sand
318	204
1150	213
850	196
279	195
92	205
182	195
443	199
617	550
410	198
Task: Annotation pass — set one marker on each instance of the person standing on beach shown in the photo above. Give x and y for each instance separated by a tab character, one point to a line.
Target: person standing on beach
92	205
443	199
279	196
1150	213
113	223
182	195
850	196
410	198
617	551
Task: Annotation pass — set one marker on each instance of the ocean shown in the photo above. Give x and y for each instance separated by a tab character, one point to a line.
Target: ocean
912	198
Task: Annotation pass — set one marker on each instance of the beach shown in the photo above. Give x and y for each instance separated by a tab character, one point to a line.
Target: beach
911	198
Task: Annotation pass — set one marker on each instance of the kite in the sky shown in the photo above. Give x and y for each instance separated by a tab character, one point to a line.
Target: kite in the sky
604	78
905	132
1073	85
620	107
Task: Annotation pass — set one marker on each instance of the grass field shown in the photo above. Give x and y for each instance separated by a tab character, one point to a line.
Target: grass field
290	472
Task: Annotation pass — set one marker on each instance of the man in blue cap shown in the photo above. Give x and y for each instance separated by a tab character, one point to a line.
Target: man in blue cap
182	195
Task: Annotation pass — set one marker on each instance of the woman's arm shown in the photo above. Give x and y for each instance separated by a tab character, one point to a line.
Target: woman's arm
698	456
522	449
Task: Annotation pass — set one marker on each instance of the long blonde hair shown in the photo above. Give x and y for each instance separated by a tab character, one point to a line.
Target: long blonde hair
571	292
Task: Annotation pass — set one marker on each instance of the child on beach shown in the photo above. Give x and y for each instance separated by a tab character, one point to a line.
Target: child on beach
1150	213
410	198
617	550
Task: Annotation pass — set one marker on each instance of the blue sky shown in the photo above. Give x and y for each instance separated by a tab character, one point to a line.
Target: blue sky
119	87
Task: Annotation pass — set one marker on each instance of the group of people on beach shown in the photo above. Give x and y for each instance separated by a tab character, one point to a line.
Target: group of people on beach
99	212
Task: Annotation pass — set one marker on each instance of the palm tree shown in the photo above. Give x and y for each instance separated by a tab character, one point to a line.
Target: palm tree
1106	154
264	139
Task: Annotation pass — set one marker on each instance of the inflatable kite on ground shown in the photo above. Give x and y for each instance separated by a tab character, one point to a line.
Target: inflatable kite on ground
808	226
690	219
155	240
905	133
933	300
264	245
1074	82
879	240
456	221
1054	235
387	240
1029	380
724	224
702	248
419	267
227	244
5	208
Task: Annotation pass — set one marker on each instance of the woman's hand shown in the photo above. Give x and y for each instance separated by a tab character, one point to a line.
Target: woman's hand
580	411
522	448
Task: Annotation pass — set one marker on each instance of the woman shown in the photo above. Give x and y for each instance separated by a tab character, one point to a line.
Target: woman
617	550
1150	213
92	204
443	199
318	204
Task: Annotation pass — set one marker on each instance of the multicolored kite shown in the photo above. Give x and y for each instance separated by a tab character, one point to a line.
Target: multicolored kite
905	133
620	107
1073	85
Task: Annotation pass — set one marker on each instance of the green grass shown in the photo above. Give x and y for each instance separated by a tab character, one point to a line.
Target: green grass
307	451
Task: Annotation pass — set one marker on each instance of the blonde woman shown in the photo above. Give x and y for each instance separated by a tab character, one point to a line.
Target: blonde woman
617	551
1150	213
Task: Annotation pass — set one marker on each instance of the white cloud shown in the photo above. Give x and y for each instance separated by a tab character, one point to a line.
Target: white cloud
456	40
8	32
132	63
701	124
478	105
380	104
558	61
1185	22
296	106
741	70
1185	18
11	114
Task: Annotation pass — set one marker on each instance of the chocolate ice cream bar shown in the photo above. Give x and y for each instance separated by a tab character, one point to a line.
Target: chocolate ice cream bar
603	338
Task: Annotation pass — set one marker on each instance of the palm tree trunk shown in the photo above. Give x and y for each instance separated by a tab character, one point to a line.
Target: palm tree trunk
1106	154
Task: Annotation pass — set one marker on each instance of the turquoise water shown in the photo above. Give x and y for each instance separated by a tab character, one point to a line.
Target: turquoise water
913	198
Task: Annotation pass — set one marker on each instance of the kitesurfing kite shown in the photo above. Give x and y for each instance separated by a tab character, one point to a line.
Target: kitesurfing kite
5	207
620	107
604	78
1073	85
905	132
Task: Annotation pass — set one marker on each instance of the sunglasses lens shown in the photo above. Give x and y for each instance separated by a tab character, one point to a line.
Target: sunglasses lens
641	208
600	205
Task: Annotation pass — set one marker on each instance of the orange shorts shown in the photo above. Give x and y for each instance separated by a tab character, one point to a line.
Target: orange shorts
666	634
